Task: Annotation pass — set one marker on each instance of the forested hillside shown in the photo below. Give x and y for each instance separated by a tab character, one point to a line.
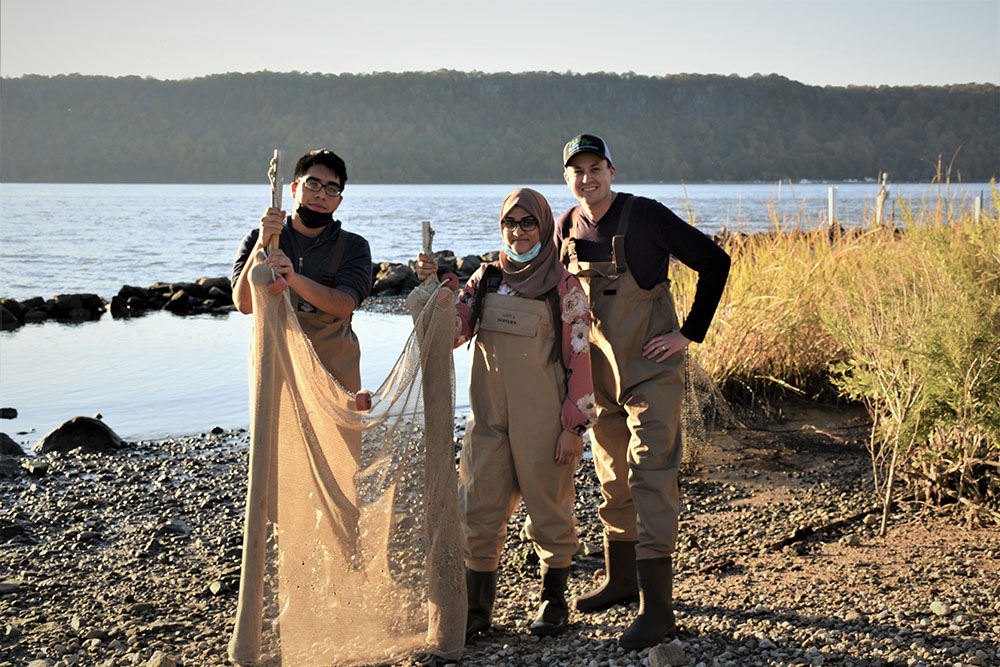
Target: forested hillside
448	126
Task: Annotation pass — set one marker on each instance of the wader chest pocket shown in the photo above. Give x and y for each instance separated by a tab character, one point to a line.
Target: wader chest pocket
610	292
514	322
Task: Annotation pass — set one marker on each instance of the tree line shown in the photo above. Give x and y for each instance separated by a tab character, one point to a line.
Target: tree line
472	127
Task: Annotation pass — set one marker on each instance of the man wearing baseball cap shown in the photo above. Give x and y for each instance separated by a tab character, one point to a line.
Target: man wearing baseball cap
620	245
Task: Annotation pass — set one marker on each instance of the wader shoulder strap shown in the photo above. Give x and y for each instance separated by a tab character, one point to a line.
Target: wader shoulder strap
337	256
567	254
618	241
490	282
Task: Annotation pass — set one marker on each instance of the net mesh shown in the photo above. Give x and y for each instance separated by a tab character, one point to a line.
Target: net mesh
704	409
352	543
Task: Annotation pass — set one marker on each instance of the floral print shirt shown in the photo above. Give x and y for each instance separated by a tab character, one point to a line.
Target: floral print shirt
578	411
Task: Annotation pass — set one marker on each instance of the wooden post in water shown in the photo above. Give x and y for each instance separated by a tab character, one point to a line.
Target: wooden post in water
831	215
883	193
978	208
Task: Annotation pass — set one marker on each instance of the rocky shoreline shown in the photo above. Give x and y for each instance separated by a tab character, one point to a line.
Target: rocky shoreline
204	295
131	557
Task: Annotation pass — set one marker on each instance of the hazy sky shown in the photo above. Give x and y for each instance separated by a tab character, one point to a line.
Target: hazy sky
821	42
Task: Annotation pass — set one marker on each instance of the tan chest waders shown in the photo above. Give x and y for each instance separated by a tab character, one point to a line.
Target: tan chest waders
516	392
333	338
637	437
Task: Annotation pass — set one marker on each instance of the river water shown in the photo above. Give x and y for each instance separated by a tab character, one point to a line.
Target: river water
162	374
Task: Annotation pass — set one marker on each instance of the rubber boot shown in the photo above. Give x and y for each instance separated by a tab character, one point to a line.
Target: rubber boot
656	610
553	613
619	585
482	588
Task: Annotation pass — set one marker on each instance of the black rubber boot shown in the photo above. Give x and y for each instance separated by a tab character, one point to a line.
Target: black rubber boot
656	609
482	588
619	585
553	613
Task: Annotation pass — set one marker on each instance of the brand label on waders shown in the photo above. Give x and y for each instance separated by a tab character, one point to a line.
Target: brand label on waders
510	321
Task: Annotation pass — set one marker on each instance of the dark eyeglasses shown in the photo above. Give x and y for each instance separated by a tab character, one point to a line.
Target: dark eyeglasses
315	185
526	224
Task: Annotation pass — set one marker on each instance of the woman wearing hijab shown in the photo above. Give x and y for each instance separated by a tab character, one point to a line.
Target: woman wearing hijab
532	398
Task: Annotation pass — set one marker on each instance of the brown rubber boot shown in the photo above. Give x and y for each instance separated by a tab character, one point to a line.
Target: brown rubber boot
553	613
619	585
482	589
656	609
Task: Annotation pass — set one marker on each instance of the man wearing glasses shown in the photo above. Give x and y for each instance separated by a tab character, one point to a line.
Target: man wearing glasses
328	269
620	246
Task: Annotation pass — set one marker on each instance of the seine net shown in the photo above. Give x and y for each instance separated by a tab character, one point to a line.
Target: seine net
352	541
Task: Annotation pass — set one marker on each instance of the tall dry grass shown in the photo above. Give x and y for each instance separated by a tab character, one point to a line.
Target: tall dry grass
906	322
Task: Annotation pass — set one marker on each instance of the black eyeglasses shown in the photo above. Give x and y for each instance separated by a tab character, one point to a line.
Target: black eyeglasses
315	185
526	224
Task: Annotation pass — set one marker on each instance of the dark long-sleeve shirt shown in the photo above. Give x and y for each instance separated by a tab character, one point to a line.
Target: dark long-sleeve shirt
311	257
654	234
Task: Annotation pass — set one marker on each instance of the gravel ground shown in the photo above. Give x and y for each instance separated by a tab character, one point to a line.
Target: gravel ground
132	558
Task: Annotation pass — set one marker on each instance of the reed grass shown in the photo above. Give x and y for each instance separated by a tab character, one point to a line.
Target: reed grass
904	320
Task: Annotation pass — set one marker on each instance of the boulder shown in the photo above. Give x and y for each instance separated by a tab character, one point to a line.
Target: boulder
129	301
131	291
8	447
10	318
87	433
179	303
64	303
467	265
77	315
11	314
9	469
35	315
447	262
393	277
216	283
77	307
8	413
118	307
159	288
191	289
33	303
224	297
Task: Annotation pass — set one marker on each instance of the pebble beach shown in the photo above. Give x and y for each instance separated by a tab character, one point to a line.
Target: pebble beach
132	558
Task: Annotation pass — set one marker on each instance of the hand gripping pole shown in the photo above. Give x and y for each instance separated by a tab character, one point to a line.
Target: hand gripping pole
274	175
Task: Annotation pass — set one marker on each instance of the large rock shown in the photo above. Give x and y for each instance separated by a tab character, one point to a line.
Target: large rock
467	265
87	433
11	314
221	283
180	303
191	289
33	303
10	467
129	302
8	447
77	307
392	278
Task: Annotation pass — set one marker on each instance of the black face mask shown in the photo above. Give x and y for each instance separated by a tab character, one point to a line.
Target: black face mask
312	219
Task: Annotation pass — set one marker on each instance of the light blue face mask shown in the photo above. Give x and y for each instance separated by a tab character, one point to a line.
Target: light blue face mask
526	257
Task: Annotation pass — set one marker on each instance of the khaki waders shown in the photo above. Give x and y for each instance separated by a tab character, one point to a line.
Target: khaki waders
516	394
337	347
636	440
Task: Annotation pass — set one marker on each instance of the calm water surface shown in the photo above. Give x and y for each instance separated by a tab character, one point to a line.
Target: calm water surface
58	239
161	374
